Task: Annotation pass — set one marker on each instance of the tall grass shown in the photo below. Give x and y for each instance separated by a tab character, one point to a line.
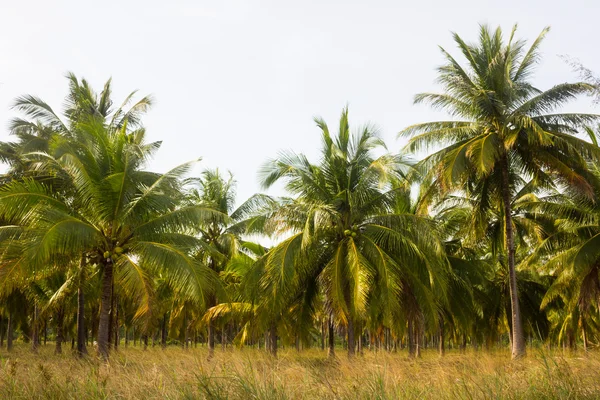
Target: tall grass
251	374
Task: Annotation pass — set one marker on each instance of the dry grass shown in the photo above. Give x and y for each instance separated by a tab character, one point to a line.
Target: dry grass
250	374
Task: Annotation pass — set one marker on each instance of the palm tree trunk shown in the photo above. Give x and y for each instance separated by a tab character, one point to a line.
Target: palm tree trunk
331	351
104	323
418	343
273	340
116	325
351	341
9	333
81	349
323	334
163	338
410	338
518	339
223	337
211	328
35	330
584	334
441	344
111	316
81	331
60	319
2	332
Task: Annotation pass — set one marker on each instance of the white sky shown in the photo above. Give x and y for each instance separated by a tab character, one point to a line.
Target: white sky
237	81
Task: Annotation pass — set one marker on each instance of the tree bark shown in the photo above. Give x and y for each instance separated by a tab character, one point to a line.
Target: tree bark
9	333
273	340
518	339
331	348
584	337
410	338
323	335
351	341
441	344
35	340
81	331
111	316
60	319
81	349
116	324
104	324
2	332
211	328
223	337
163	338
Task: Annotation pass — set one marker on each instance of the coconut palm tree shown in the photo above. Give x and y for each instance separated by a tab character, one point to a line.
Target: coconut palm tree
222	231
344	236
104	208
505	128
571	255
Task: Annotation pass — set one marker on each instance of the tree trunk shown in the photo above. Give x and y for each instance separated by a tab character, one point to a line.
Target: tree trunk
331	351
273	340
223	337
116	325
360	342
518	339
163	338
441	344
111	316
211	328
584	334
104	324
60	319
410	338
145	341
187	337
81	349
35	340
351	342
323	334
9	333
2	332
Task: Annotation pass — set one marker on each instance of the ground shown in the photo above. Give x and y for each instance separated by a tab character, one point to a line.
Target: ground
175	373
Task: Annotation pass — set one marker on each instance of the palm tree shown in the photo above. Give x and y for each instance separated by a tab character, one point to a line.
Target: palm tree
104	208
221	231
344	239
506	128
571	255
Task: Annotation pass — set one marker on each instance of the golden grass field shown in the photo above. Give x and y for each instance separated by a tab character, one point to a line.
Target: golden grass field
175	373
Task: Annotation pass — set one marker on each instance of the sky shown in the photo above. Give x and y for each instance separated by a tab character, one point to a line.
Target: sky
235	82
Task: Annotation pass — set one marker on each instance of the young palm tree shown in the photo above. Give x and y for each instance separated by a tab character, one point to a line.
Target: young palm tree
344	238
505	128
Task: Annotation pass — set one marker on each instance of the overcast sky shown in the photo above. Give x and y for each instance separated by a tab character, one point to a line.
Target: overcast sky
237	81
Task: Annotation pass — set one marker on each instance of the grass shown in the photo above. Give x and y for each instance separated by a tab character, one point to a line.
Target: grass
250	374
